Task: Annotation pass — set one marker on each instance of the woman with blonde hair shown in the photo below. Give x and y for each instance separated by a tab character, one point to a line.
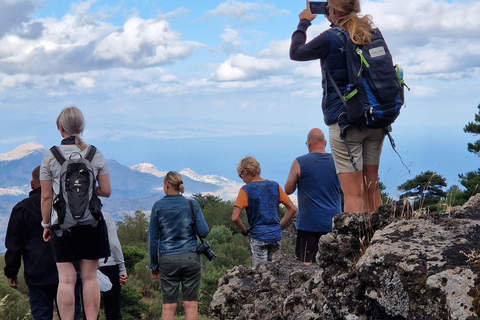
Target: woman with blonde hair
82	244
360	188
172	243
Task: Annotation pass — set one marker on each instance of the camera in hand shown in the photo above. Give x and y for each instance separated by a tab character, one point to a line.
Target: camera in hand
318	7
206	249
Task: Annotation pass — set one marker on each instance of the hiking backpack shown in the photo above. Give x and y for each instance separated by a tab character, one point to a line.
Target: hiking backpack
77	203
375	93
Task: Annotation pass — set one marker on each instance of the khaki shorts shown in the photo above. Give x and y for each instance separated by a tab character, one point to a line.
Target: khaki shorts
365	145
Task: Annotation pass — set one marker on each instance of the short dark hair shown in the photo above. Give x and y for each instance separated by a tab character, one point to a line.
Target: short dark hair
36	174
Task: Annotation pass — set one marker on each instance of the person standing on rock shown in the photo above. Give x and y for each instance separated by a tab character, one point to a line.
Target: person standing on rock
319	195
261	198
360	189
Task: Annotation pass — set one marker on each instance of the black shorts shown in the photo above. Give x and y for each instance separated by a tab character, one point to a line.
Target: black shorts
306	247
77	243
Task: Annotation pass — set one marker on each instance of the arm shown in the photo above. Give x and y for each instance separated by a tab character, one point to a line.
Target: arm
14	245
200	223
116	248
292	180
46	206
238	222
153	241
291	209
104	189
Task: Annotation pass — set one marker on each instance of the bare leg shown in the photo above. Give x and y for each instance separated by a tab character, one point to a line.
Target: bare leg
67	277
353	192
91	290
168	311
372	195
191	310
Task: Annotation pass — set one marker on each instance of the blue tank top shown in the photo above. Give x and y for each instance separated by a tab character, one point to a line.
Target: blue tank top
318	193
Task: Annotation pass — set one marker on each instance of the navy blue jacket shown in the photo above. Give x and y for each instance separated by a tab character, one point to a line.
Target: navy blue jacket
330	49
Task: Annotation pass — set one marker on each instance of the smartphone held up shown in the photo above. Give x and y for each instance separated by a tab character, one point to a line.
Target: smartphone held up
318	7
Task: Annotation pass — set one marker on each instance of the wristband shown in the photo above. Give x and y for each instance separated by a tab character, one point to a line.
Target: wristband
46	225
245	233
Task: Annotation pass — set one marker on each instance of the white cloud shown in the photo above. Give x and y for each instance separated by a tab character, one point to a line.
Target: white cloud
231	37
143	43
276	49
244	67
423	91
437	39
84	42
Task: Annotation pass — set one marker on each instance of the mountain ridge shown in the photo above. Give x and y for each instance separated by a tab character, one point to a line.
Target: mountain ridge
134	187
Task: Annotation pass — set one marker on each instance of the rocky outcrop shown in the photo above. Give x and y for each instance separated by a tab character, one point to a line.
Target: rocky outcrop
391	264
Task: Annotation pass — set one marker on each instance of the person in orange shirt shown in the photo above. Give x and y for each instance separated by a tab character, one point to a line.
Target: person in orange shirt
261	199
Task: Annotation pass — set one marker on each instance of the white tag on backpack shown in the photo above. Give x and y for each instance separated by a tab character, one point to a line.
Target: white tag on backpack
377	52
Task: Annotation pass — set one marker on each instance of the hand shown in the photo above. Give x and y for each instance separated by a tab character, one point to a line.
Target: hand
46	234
155	274
13	282
123	279
306	13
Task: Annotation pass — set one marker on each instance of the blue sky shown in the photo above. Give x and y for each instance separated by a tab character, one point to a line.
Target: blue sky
200	84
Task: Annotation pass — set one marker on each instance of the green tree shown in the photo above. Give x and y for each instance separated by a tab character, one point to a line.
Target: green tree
471	182
202	200
133	230
426	188
132	256
474	128
132	305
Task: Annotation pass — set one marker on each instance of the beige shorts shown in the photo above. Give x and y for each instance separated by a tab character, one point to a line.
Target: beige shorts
365	145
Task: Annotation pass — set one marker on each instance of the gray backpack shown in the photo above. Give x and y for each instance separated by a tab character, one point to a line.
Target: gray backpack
77	203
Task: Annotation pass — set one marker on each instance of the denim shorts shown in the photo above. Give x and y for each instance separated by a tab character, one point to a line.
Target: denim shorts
263	251
184	269
365	144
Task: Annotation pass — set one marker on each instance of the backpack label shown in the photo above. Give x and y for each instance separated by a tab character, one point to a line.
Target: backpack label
377	52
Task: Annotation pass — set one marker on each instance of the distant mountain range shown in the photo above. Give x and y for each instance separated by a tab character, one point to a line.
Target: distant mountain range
133	188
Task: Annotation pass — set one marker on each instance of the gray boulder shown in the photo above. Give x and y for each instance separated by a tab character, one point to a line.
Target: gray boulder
391	264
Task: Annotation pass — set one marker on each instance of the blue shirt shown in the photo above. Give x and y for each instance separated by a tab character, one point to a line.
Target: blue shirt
171	228
318	192
263	210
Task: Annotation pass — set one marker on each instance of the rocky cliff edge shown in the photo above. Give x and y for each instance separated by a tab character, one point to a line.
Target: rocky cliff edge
392	264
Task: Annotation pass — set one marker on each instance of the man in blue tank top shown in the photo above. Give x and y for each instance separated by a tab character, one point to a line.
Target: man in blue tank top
318	195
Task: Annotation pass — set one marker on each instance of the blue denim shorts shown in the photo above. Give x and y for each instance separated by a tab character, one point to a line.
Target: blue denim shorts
184	269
